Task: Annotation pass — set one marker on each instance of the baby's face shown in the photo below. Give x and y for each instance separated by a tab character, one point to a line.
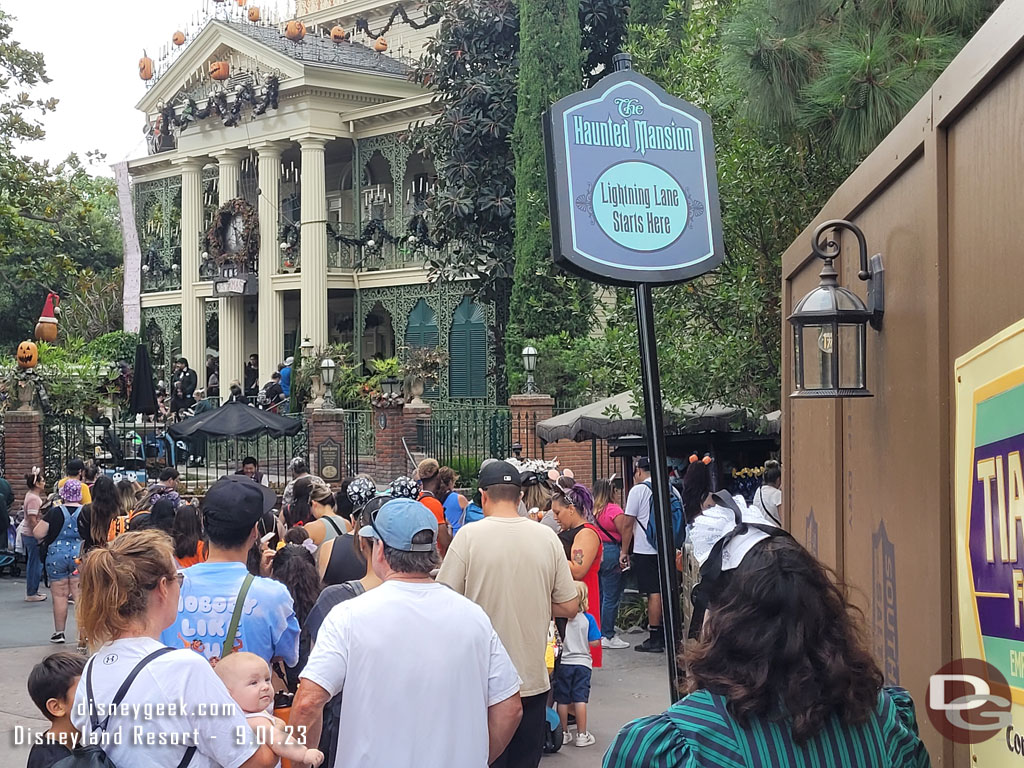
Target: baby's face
250	685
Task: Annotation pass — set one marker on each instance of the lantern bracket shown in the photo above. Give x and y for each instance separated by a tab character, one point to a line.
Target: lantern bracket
828	247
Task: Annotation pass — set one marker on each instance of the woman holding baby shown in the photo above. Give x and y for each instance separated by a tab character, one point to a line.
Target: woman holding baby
174	710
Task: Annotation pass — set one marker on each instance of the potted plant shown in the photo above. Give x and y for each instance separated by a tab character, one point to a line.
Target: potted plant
422	368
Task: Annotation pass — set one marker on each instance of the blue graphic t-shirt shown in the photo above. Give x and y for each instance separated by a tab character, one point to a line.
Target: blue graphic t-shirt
268	626
286	380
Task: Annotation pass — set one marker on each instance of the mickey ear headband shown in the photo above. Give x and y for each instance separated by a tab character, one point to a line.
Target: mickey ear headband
712	578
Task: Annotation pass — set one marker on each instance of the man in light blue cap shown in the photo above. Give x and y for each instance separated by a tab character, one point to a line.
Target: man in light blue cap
411	652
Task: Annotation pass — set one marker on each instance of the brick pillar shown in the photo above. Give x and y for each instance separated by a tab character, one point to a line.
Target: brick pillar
415	425
389	425
23	446
527	410
327	437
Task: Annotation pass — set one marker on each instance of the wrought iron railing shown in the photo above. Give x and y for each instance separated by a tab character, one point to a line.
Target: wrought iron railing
147	447
360	439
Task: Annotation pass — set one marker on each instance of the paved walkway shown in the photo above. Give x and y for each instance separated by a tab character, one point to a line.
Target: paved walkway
629	685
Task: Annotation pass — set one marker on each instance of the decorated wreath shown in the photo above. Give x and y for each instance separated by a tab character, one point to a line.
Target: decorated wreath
238	221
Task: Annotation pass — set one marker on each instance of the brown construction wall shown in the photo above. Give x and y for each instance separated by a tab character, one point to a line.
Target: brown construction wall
868	482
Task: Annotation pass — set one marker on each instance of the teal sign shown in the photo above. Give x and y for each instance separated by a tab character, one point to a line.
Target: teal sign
632	184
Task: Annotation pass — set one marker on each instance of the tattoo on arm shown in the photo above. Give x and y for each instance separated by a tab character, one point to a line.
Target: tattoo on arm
577	556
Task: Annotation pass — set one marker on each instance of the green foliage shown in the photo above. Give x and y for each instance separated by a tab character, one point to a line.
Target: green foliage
473	65
347	388
54	220
841	75
468	470
576	371
114	347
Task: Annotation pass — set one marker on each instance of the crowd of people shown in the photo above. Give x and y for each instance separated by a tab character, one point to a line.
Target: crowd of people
412	624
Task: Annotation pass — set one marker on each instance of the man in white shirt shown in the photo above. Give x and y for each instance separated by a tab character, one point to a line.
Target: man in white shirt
426	680
517	572
644	559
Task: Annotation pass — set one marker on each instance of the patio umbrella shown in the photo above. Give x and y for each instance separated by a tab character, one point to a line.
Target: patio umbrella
143	397
236	420
617	416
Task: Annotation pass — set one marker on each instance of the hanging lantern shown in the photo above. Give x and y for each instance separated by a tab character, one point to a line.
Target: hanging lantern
254	14
338	34
830	323
380	45
220	70
178	38
145	67
295	30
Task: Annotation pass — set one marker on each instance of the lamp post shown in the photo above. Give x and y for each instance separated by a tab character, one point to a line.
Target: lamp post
391	386
327	370
530	365
830	323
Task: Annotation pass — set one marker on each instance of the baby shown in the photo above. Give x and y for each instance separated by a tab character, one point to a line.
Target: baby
247	678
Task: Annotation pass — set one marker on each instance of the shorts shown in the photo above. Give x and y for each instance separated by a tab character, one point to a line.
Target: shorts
646	569
60	567
571	684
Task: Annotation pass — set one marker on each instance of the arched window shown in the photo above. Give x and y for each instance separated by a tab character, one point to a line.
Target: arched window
421	330
467	352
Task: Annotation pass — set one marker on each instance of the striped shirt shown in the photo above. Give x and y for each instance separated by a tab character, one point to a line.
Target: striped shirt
699	732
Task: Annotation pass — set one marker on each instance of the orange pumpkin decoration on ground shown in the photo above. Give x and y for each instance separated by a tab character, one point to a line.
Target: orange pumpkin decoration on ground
338	34
145	67
254	14
295	30
220	70
28	354
380	45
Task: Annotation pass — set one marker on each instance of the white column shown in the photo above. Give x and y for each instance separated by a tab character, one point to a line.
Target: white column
314	241
193	318
231	318
271	303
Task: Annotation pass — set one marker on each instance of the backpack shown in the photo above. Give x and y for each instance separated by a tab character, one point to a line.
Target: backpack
118	526
678	520
92	755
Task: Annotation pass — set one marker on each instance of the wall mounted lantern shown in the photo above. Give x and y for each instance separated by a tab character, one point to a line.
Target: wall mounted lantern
830	323
391	386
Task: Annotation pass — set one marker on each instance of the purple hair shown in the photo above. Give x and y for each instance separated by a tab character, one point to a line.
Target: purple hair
582	500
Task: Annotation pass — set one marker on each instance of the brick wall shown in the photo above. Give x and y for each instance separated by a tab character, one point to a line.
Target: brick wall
23	446
326	425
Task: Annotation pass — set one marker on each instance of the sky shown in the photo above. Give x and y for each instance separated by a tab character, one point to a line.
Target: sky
92	50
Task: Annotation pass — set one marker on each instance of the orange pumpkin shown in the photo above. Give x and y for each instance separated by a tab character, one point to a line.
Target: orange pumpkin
295	30
241	3
145	67
178	38
380	45
254	14
28	354
220	70
338	34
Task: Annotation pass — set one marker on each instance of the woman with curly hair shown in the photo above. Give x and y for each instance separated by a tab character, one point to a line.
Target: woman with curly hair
780	676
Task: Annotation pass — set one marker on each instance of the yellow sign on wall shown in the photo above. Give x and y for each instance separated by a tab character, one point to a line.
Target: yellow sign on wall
989	510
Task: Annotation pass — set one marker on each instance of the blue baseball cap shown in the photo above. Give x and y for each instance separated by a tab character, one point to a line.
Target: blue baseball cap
398	521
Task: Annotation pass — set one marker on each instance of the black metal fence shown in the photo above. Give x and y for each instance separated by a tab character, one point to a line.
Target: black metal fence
147	447
360	440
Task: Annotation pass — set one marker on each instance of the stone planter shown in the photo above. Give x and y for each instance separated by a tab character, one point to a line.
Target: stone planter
415	386
26	394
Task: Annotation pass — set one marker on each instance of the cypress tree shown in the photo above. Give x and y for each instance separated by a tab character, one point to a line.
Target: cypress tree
544	301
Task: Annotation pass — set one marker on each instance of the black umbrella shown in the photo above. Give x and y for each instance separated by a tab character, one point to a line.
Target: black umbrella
236	420
143	398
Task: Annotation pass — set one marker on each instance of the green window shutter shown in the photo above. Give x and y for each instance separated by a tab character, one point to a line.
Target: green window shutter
467	351
422	331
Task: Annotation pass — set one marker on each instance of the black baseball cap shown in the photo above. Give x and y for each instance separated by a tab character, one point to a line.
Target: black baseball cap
499	473
235	502
643	463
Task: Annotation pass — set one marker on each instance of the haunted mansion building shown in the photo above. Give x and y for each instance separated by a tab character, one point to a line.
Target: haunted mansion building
278	195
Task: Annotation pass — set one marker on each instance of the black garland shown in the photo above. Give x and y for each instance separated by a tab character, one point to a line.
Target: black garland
417	233
363	26
218	105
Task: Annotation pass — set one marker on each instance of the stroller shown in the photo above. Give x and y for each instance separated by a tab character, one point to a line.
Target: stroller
10	559
552	725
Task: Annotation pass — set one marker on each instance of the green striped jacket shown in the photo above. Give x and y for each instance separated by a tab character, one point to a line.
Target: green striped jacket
699	732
